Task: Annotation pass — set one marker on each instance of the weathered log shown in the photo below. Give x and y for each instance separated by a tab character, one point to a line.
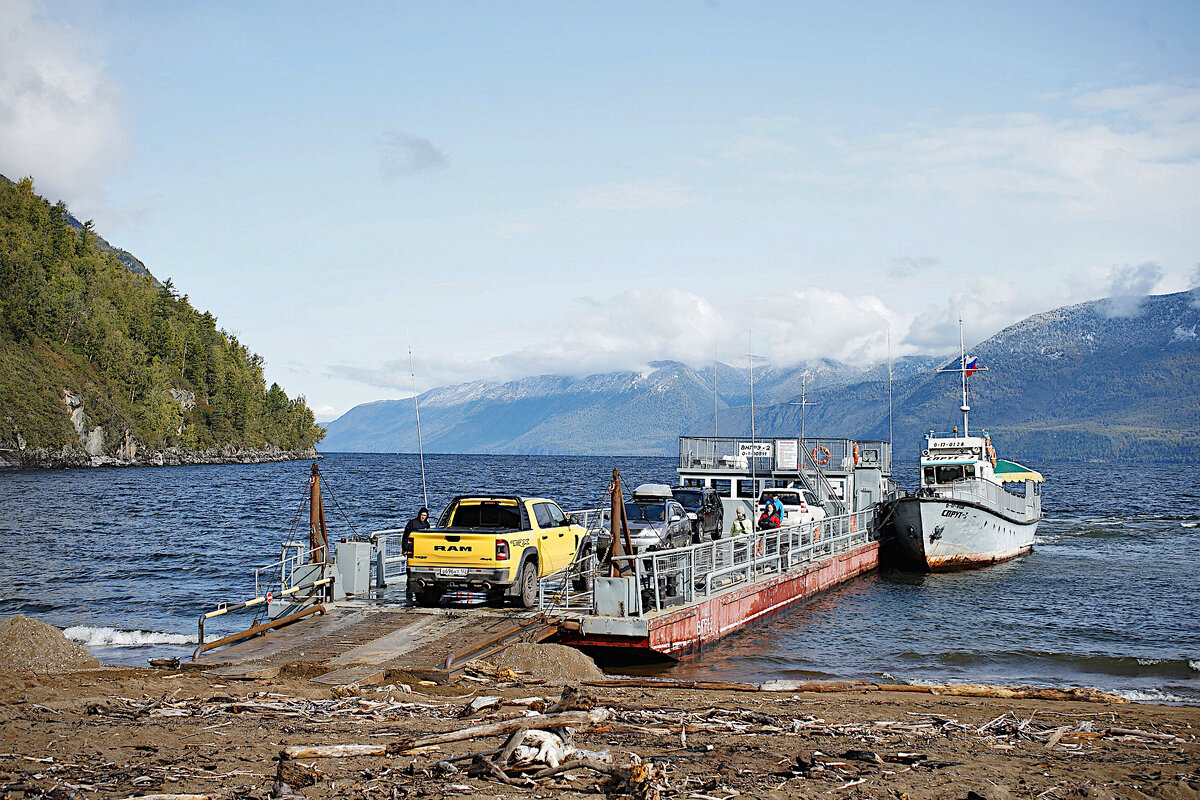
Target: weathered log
1008	692
336	750
816	686
574	699
539	722
643	683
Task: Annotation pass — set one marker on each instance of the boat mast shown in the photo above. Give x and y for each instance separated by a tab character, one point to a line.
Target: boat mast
889	357
962	368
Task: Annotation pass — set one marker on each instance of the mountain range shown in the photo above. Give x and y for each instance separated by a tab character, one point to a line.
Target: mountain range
1107	379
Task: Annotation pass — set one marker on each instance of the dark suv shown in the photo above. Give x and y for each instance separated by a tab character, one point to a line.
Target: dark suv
703	506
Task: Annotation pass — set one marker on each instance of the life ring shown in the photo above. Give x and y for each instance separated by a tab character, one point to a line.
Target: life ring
991	453
758	546
824	456
853	523
856	454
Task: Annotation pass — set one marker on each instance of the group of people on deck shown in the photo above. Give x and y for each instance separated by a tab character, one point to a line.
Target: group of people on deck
771	517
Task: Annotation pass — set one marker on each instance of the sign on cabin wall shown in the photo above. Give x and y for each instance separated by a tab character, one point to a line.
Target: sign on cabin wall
755	449
787	454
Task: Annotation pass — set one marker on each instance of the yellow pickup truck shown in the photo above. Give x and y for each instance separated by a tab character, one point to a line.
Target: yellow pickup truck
496	544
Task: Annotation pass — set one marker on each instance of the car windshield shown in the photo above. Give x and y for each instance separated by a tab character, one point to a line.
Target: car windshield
689	499
790	498
645	512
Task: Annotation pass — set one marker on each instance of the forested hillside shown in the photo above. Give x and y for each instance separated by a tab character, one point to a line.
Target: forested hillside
99	364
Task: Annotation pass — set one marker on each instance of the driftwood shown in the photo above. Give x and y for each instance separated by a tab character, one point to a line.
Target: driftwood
539	722
949	689
644	683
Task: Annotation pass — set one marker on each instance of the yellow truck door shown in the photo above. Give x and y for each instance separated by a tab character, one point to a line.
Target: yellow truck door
557	538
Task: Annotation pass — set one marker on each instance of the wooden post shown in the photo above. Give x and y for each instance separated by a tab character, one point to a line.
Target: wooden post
618	524
318	540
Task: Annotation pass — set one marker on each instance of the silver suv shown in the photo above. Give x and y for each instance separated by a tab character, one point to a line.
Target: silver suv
656	521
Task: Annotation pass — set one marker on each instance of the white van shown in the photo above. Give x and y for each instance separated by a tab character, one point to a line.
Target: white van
799	505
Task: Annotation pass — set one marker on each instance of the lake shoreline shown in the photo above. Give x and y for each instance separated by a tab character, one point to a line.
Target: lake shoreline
70	457
124	732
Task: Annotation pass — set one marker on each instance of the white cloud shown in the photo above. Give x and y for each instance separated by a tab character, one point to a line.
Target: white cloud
325	413
985	308
1128	287
406	154
1128	153
632	196
629	330
60	113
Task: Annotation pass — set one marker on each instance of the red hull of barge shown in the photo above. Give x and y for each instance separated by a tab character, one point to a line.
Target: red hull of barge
684	632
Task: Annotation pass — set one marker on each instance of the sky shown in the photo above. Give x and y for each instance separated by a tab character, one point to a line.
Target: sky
518	188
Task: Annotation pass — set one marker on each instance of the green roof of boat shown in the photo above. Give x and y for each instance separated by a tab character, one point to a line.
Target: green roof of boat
1012	471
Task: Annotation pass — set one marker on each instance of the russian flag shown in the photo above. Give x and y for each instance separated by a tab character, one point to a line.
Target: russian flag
972	365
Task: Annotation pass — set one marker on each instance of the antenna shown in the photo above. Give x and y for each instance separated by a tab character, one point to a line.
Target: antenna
417	408
804	404
753	446
889	357
715	429
962	370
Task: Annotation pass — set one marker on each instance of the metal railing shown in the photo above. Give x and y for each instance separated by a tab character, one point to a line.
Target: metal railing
991	494
293	556
725	453
669	578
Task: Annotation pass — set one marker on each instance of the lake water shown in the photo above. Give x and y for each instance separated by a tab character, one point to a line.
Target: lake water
125	561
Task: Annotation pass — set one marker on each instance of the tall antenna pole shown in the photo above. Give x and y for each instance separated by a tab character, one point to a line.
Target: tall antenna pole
715	429
889	357
750	358
962	365
417	408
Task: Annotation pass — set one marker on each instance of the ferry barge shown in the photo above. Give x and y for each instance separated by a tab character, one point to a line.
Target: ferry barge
674	603
344	600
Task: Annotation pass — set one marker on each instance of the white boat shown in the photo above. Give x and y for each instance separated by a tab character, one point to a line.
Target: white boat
971	509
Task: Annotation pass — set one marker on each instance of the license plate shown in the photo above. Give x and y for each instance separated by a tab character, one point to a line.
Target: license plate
453	572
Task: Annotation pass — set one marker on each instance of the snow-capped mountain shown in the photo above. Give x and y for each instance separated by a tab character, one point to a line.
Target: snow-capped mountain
1103	379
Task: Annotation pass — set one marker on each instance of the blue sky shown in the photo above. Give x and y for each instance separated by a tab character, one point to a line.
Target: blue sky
522	188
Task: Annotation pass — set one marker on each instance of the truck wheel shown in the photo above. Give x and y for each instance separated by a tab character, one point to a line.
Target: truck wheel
527	583
429	598
583	582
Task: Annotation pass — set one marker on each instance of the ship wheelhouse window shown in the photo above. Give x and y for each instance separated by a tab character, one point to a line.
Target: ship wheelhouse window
693	481
746	488
929	478
949	473
969	471
723	487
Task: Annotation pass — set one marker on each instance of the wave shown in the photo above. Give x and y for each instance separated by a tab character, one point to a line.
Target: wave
1153	696
1125	666
111	637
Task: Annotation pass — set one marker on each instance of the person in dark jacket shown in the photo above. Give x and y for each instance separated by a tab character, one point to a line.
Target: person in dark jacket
769	519
418	523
